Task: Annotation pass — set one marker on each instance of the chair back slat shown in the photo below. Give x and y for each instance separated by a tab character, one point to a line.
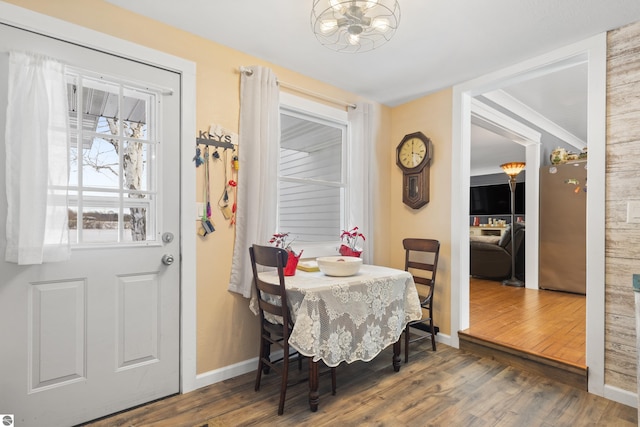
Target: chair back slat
270	308
421	245
420	266
422	280
268	288
272	298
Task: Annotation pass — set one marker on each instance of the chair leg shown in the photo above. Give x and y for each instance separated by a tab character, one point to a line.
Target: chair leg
433	334
267	356
406	344
283	383
333	381
261	365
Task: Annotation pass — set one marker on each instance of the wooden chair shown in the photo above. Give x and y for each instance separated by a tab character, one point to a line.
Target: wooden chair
421	260
272	299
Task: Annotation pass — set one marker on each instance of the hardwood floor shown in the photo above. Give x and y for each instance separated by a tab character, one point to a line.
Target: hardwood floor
454	387
448	387
550	324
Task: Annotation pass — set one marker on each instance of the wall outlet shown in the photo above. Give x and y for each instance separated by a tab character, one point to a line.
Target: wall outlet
199	210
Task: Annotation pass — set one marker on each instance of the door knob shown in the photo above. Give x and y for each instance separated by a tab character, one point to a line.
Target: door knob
167	259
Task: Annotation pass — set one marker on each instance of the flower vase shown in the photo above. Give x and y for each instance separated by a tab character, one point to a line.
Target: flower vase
292	263
347	251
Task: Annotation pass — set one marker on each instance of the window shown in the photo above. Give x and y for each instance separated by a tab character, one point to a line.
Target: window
113	149
312	184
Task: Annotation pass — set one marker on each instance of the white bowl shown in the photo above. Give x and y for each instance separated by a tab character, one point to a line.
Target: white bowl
339	265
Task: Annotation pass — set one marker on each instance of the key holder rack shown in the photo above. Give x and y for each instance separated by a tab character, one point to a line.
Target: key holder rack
207	139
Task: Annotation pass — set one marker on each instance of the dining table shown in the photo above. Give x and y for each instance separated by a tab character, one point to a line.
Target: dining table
346	319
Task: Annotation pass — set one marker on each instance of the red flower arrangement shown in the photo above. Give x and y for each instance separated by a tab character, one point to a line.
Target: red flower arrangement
279	240
351	239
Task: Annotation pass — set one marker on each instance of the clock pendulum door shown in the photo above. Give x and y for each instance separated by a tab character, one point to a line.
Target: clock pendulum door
415	193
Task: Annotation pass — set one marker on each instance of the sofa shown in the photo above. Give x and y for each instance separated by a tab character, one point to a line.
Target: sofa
490	257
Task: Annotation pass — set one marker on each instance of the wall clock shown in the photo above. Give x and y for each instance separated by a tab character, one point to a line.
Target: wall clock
413	156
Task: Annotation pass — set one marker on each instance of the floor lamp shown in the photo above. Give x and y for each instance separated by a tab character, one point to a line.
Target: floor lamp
513	169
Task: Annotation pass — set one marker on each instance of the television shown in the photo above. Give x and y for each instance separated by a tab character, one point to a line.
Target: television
496	199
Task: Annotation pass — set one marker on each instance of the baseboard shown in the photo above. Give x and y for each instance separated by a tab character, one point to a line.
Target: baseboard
440	337
221	374
231	371
621	396
444	339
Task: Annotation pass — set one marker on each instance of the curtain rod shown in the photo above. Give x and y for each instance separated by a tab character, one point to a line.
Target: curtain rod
248	72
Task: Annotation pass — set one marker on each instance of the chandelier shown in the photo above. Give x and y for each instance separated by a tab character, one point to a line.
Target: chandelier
354	25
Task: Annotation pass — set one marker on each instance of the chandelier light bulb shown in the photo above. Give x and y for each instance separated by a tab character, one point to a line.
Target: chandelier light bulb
352	26
381	24
328	25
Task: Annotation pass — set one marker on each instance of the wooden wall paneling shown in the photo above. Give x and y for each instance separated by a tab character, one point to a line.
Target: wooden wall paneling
622	243
622	257
623	156
619	300
619	272
622	128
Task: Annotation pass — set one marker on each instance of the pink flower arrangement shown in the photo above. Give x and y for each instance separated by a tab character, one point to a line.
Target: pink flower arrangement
279	240
351	238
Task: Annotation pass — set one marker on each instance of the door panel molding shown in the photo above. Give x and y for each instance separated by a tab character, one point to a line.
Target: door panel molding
138	310
56	331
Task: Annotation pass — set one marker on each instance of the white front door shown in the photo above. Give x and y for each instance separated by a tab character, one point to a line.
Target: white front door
100	333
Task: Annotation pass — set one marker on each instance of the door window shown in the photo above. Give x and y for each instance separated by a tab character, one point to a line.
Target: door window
114	150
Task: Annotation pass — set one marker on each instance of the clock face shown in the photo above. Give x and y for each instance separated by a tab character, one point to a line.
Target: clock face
412	153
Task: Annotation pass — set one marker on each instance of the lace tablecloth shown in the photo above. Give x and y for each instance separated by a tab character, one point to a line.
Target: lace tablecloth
349	318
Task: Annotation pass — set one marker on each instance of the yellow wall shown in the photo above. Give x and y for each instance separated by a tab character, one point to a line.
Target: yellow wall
226	330
430	115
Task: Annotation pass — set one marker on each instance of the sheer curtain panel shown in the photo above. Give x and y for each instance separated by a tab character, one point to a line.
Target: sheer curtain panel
258	154
36	142
362	179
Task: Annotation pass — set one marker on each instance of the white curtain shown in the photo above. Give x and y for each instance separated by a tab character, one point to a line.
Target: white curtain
36	142
363	181
258	154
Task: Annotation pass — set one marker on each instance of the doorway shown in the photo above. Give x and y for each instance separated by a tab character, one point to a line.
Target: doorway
592	50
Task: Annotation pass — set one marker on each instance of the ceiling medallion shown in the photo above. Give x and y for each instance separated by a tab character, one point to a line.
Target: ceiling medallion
354	26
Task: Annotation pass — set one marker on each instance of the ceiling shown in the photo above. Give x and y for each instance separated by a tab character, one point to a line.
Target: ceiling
439	43
553	104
